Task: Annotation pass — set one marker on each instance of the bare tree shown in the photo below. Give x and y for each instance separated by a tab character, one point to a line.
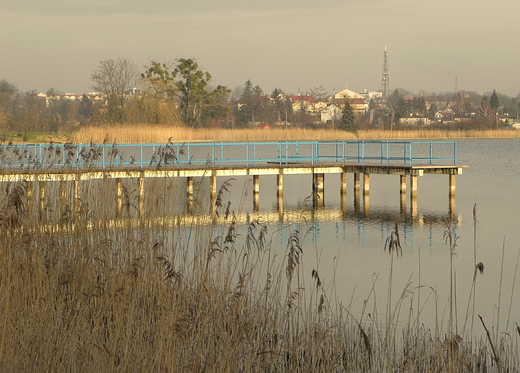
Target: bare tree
115	79
319	93
461	103
486	111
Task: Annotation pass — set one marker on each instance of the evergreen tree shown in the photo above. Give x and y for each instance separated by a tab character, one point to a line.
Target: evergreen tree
85	109
493	101
348	120
432	110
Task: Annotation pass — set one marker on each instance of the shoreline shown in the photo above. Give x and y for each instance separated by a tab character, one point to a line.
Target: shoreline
162	134
125	134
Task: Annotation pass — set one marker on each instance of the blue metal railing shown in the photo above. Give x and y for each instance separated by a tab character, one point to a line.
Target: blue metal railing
225	154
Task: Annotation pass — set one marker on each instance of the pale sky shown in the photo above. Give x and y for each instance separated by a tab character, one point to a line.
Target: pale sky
294	45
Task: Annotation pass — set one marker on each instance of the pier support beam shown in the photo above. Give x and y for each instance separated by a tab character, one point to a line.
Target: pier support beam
42	187
119	197
213	195
318	194
413	195
452	182
256	193
63	195
140	186
279	192
402	193
357	179
189	194
30	199
77	194
343	192
366	192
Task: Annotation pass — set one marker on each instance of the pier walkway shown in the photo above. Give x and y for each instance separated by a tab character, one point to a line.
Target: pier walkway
37	163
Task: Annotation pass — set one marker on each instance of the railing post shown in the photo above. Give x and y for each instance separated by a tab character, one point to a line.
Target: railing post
454	153
431	152
141	160
363	151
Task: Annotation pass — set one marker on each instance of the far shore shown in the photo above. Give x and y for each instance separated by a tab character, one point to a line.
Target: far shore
162	134
149	134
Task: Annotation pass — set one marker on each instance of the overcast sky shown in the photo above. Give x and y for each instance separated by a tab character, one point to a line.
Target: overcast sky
294	45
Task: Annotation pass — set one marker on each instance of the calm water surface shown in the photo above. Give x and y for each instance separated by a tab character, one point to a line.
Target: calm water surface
349	251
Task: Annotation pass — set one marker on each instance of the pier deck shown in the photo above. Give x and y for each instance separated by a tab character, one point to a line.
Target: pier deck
75	163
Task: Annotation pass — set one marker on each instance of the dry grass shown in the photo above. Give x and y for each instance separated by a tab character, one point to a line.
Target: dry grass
81	295
160	134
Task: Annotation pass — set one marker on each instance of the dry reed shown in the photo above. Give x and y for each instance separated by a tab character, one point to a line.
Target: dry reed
86	294
148	134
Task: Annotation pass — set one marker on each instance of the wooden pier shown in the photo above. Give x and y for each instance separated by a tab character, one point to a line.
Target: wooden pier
408	178
76	163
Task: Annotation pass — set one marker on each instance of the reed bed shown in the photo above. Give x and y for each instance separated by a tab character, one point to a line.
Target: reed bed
80	293
148	134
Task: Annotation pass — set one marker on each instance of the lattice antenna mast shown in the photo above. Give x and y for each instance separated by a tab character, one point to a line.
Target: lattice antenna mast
385	79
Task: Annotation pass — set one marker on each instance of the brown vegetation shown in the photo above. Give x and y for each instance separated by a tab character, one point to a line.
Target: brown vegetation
160	134
86	293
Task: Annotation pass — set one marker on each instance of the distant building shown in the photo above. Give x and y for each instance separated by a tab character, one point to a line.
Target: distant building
356	100
93	96
415	121
334	109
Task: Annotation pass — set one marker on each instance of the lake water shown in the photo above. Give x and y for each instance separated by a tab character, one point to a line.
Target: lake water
348	249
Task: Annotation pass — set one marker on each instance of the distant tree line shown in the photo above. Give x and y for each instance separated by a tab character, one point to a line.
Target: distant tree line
180	93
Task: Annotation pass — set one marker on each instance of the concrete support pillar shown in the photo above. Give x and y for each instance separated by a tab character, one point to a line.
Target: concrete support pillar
42	186
366	193
213	195
119	197
318	194
189	194
30	199
452	184
77	194
343	192
413	195
402	193
357	178
256	193
357	182
279	192
63	195
140	187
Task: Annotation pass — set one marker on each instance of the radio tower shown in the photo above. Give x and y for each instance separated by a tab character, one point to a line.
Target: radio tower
385	79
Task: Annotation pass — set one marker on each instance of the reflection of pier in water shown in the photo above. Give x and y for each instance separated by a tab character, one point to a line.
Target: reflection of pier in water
288	217
384	218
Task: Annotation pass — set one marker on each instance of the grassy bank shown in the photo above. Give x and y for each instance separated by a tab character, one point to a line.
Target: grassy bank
161	134
80	294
